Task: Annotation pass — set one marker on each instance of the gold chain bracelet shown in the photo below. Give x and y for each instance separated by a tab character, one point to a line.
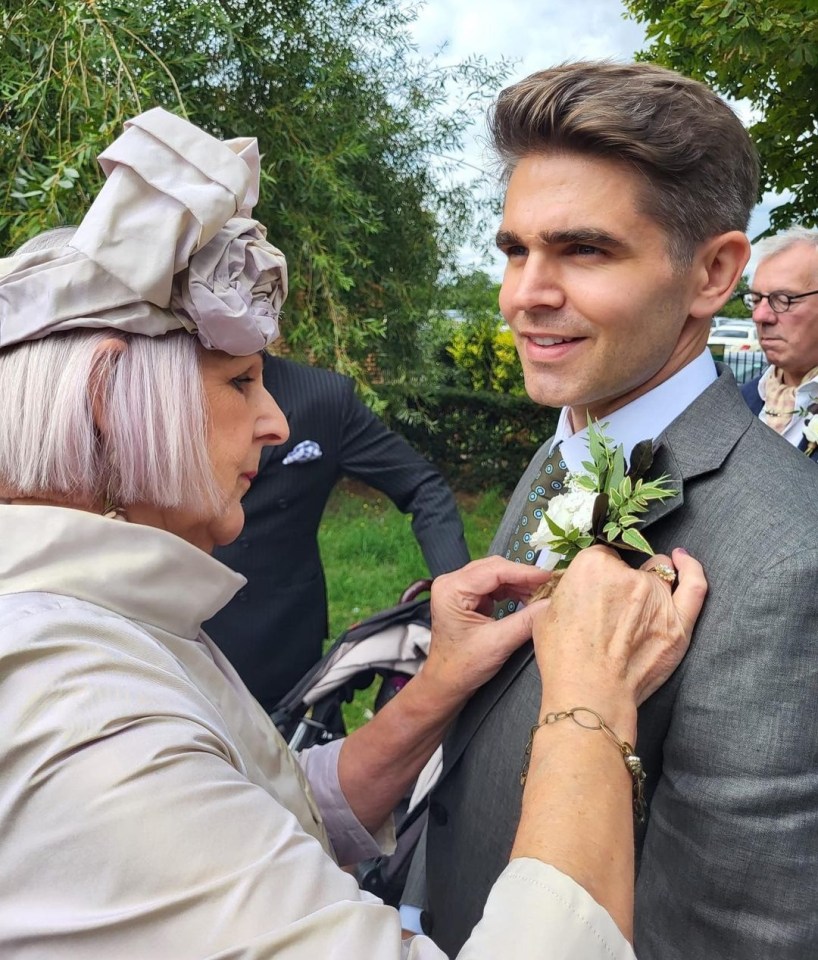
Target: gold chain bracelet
632	762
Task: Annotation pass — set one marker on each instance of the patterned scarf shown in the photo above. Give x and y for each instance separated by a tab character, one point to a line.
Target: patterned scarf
779	399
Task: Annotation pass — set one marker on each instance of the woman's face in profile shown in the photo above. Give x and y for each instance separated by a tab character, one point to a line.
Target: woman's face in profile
242	418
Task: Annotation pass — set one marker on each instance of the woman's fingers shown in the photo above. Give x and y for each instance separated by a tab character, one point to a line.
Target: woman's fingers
686	578
468	646
681	603
489	577
689	595
608	620
662	568
604	616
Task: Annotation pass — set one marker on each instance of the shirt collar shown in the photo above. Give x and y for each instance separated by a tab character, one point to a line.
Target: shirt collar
643	418
138	572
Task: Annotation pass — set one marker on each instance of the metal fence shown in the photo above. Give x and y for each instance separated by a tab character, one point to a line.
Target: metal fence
745	364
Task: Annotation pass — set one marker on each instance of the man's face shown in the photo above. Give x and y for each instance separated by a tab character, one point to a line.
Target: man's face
598	312
790	340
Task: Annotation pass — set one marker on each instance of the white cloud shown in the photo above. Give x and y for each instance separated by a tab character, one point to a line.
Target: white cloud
535	34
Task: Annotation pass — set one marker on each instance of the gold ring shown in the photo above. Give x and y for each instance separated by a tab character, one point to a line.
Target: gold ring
664	572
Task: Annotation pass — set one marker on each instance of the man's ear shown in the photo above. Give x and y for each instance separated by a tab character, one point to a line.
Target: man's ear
106	355
717	268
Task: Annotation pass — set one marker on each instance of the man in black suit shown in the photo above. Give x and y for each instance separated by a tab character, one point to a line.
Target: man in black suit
784	301
629	189
273	630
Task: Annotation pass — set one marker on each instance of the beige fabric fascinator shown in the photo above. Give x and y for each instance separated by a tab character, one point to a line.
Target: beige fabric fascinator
168	243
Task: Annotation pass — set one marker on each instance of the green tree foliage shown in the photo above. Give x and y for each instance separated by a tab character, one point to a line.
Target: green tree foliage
479	439
734	309
764	52
466	340
351	124
471	295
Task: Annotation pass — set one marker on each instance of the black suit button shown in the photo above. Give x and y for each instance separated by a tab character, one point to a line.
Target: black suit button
282	504
241	596
438	813
426	923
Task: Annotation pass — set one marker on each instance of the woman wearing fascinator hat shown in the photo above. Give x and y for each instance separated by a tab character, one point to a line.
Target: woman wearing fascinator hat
148	807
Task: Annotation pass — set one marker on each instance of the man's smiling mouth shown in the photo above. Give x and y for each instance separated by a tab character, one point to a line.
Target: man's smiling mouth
551	341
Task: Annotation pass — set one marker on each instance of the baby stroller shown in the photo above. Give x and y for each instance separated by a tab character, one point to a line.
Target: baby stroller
392	644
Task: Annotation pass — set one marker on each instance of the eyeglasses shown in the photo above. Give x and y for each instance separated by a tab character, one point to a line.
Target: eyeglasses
779	302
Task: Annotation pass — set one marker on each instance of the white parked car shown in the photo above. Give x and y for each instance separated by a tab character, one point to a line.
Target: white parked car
734	336
730	322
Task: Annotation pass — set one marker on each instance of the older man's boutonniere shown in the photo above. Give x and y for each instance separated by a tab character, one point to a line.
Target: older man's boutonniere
811	433
603	504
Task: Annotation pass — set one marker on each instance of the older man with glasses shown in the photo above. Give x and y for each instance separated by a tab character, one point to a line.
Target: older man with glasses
784	301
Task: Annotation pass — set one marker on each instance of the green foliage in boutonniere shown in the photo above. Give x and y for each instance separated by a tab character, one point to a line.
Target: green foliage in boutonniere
603	504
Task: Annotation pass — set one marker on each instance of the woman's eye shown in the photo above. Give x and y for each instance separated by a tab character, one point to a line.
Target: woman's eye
240	382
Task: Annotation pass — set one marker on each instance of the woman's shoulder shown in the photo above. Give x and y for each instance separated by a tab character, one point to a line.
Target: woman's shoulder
54	619
83	658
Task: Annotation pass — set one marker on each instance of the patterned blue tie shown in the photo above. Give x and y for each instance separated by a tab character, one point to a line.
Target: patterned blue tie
547	484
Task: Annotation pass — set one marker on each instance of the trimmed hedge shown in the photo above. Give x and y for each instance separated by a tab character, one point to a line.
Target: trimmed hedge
477	439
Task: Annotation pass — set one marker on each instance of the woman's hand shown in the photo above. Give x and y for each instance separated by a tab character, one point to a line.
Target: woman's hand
611	631
609	637
379	760
468	646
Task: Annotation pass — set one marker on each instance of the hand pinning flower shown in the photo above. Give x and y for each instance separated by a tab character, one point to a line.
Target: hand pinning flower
603	504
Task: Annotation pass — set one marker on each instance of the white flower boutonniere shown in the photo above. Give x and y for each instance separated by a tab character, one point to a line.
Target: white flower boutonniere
603	504
568	519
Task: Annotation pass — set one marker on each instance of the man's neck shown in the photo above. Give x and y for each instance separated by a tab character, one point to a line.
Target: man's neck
688	351
644	417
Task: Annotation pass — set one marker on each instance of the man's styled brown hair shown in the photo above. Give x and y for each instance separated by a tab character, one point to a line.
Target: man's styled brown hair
700	169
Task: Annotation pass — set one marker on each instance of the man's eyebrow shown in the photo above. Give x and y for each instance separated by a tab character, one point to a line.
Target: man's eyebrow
582	235
579	235
506	238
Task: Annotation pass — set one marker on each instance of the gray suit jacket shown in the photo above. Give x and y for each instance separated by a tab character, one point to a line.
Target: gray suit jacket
729	855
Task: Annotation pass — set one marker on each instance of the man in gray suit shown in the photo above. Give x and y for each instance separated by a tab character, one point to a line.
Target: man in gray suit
629	190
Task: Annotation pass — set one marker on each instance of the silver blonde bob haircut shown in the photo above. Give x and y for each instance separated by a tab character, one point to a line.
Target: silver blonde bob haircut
153	448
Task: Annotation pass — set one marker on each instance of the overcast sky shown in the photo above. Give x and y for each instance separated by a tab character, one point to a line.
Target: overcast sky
535	34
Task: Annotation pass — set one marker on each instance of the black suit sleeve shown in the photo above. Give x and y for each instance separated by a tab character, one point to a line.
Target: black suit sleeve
372	453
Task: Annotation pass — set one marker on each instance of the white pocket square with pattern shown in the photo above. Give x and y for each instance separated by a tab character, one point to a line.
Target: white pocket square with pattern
303	452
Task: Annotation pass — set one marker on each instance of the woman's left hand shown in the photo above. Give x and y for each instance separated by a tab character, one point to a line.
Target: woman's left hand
468	646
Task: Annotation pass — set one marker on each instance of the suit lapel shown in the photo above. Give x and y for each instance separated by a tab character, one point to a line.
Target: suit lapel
481	704
701	438
690	447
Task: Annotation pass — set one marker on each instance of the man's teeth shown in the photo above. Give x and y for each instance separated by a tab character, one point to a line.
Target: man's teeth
550	341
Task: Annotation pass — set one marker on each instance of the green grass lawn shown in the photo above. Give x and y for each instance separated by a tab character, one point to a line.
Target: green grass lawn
370	557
